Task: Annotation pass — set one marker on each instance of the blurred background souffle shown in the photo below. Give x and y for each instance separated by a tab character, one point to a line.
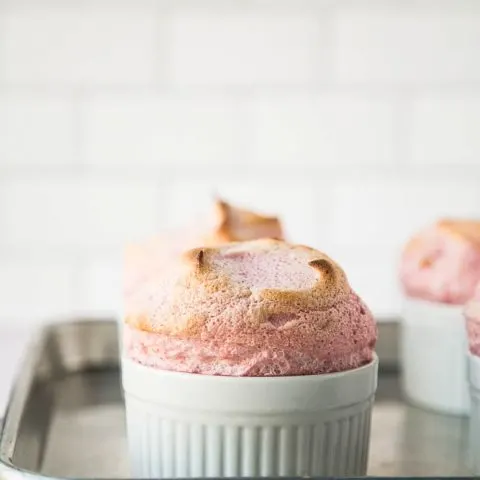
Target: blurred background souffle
356	123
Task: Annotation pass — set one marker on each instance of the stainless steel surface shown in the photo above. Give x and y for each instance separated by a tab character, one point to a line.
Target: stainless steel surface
387	345
66	416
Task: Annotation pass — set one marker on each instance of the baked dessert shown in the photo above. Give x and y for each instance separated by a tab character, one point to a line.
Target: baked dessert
439	270
255	308
442	263
263	345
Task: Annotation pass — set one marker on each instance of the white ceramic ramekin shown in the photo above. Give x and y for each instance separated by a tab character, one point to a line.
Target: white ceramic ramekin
187	425
433	356
474	426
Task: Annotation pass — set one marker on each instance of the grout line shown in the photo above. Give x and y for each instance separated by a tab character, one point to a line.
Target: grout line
79	126
308	6
403	129
3	213
223	6
77	282
3	78
242	171
140	171
245	135
325	47
80	3
58	255
366	89
162	45
161	197
3	43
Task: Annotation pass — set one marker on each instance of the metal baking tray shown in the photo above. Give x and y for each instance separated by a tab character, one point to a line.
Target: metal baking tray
65	417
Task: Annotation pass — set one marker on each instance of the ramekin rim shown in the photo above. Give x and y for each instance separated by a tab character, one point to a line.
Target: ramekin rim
250	379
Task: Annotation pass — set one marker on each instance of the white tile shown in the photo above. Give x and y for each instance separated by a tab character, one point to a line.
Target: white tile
296	203
445	129
190	201
397	42
39	213
71	44
373	276
36	130
161	131
387	211
310	6
327	129
63	212
243	47
116	212
35	292
100	287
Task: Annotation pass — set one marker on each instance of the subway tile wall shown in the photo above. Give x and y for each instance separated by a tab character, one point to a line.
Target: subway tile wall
356	121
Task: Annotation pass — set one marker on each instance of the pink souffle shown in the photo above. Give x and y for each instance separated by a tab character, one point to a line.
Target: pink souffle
226	223
472	315
257	308
442	263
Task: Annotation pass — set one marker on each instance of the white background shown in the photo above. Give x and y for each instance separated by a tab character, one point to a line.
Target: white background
356	121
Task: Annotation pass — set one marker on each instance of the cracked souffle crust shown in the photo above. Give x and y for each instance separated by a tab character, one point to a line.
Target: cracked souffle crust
442	263
257	308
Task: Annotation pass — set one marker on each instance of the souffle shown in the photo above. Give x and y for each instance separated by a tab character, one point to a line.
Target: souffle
442	263
257	308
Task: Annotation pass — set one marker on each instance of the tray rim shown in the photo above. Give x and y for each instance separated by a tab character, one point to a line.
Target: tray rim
20	387
16	402
387	352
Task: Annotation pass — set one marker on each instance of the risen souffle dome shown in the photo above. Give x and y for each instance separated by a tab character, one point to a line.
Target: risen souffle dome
256	308
442	263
